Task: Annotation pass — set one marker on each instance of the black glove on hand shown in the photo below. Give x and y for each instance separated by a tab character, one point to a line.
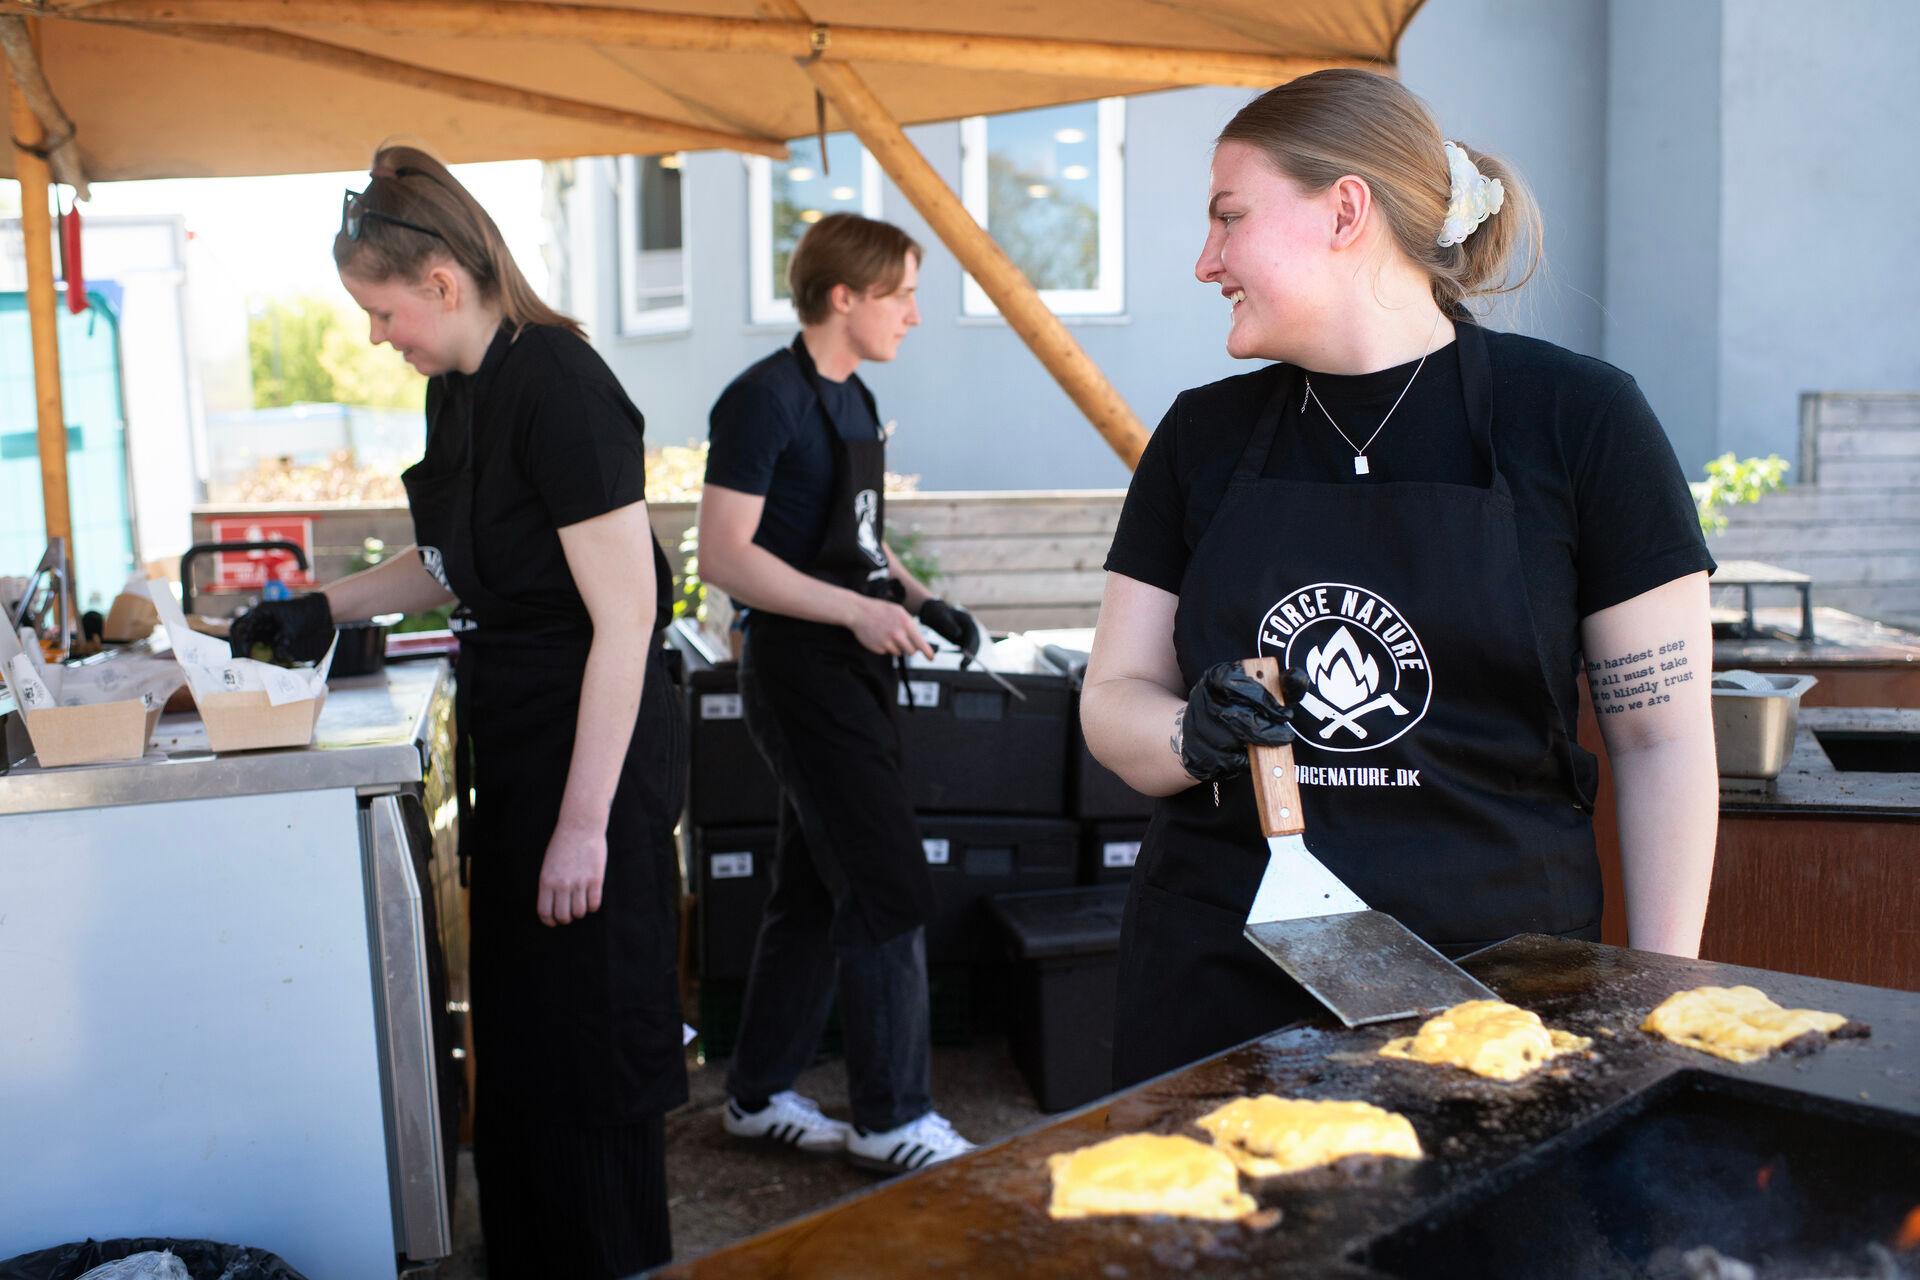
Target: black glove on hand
289	631
1228	711
953	624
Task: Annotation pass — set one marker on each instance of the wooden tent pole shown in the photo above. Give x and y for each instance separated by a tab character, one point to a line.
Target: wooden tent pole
1019	302
661	134
23	58
36	227
1143	65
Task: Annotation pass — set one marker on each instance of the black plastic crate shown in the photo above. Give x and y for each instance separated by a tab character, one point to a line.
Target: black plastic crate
1094	791
731	871
969	746
1108	850
1065	944
973	857
729	783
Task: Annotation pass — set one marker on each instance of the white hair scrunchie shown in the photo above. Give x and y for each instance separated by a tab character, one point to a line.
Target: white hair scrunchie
1473	199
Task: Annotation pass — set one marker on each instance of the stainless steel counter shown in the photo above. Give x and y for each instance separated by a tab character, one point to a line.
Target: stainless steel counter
370	737
1811	784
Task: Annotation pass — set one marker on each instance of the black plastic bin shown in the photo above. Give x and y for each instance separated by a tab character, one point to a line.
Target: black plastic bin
971	747
1065	944
731	869
1094	792
203	1259
974	857
729	783
1108	850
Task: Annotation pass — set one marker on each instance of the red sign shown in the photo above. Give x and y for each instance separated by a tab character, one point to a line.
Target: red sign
249	571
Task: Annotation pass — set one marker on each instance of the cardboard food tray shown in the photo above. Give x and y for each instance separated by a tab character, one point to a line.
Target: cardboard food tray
249	722
97	734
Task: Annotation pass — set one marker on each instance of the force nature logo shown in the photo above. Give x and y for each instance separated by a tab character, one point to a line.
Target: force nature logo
866	516
1367	671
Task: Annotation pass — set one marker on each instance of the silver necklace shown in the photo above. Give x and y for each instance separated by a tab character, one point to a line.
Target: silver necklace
1360	465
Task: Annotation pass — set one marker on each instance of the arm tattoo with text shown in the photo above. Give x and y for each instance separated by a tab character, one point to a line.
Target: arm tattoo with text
1642	678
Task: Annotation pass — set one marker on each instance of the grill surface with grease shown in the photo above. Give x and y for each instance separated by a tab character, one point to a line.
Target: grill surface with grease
1824	1148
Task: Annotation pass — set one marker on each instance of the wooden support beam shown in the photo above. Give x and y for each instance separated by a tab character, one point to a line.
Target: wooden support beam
36	227
1019	302
661	134
23	59
1144	65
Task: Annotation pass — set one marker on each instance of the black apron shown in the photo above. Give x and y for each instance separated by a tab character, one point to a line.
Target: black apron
823	710
1437	775
579	1022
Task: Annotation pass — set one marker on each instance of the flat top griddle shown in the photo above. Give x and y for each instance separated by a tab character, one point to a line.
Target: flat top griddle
985	1214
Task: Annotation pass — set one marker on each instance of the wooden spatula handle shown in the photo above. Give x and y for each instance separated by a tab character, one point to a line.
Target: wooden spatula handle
1276	793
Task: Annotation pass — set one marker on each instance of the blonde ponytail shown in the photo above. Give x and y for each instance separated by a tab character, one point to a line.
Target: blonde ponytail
412	186
1321	127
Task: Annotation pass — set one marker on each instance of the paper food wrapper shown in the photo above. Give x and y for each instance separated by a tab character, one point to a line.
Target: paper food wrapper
246	704
86	714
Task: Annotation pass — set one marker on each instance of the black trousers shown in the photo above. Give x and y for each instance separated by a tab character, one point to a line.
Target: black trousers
851	889
585	1201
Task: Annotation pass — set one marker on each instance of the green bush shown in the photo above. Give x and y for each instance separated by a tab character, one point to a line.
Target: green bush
1731	482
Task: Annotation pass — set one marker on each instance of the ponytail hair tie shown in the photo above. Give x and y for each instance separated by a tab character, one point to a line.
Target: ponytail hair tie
1473	197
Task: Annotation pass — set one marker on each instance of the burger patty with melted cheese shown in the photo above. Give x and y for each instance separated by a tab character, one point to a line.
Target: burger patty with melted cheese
1147	1173
1490	1038
1740	1024
1267	1136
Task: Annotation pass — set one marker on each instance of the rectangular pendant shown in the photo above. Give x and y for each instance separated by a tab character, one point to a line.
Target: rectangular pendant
1359	464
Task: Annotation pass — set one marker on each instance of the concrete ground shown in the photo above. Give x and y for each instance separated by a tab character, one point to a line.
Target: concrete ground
722	1190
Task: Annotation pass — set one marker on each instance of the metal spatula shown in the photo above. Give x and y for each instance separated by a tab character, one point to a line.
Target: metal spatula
1362	964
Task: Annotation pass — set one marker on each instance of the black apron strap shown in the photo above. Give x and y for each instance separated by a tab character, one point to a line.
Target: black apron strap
1253	459
1476	387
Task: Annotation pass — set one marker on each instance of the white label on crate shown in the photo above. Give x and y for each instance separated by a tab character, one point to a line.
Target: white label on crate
1119	853
924	693
730	866
939	852
720	706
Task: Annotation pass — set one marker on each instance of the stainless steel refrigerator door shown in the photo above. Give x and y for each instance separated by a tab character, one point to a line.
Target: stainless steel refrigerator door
421	1196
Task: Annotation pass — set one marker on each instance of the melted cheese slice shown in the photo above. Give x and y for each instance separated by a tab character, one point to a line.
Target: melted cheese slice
1490	1038
1266	1135
1739	1024
1147	1173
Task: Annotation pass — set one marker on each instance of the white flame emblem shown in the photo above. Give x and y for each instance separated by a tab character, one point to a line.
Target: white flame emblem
1344	682
1342	676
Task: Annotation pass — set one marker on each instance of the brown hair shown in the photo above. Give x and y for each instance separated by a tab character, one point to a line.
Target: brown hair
1321	127
411	185
845	248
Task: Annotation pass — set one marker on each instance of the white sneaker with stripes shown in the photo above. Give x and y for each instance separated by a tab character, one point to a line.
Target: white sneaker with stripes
790	1119
914	1145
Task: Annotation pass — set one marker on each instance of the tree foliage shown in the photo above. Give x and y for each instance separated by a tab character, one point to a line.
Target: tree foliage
310	351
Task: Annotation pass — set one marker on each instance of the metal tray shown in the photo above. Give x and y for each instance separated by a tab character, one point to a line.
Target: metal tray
1755	715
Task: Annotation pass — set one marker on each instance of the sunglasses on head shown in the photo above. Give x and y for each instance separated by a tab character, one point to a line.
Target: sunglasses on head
353	220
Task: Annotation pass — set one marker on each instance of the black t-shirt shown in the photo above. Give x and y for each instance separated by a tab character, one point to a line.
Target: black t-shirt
1602	508
556	441
768	436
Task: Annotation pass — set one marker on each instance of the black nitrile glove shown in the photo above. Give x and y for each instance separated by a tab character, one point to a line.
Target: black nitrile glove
953	624
284	631
1228	711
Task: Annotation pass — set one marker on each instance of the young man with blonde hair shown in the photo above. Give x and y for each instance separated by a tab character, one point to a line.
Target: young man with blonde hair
792	527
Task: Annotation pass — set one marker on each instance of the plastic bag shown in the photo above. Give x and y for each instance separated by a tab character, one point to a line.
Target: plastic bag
151	1265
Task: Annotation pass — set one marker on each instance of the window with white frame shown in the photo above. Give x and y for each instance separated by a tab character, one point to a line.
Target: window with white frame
785	197
654	274
1049	188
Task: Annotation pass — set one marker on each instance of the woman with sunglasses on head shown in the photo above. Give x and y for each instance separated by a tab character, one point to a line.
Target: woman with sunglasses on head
529	510
1432	525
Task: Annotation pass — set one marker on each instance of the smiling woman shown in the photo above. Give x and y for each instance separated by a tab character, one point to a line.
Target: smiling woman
529	511
1421	519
